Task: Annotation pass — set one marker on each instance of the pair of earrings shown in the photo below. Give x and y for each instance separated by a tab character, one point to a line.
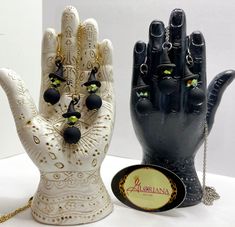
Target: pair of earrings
166	81
52	94
167	84
72	134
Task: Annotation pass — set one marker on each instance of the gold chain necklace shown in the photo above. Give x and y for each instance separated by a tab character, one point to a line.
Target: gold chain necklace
17	211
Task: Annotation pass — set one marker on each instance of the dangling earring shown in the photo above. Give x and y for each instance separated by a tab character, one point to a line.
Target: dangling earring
52	94
165	71
143	105
93	101
167	84
72	134
196	95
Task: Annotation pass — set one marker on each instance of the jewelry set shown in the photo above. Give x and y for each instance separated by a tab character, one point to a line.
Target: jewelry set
165	79
72	133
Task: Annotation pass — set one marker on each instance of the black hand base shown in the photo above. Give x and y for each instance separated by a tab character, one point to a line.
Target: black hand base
185	169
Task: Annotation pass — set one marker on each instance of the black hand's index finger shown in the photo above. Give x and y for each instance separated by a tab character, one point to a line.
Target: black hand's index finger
156	39
139	55
177	30
156	35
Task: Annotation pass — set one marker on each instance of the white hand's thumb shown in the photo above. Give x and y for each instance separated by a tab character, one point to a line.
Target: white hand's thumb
21	102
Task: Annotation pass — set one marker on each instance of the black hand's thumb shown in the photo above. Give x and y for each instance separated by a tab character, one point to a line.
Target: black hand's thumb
215	92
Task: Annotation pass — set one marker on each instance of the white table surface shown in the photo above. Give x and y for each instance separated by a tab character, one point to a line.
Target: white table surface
19	179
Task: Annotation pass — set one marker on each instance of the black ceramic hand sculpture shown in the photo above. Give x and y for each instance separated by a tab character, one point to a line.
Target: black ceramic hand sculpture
170	101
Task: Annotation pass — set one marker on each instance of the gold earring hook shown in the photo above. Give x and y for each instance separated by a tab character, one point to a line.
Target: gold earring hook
59	56
96	64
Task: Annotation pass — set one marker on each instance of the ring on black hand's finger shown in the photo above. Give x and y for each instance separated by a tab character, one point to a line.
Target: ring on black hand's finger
144	68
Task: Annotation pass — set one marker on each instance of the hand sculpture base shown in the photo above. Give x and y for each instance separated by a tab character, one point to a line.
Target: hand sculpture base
69	198
185	169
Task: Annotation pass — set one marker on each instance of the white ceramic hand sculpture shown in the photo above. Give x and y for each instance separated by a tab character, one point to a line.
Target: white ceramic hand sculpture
71	190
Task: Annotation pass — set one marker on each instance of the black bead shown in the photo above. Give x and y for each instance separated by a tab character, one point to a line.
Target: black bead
143	105
51	95
196	96
167	85
93	102
72	135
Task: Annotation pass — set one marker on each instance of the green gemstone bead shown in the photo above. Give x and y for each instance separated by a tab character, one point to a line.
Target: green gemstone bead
92	88
56	82
194	82
167	71
143	94
73	119
146	94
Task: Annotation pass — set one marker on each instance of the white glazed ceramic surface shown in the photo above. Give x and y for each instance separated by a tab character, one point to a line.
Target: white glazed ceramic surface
71	190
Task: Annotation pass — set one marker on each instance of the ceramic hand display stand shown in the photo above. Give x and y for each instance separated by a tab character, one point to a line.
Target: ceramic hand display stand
71	190
169	108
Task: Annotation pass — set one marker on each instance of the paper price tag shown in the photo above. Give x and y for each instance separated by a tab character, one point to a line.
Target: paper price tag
148	188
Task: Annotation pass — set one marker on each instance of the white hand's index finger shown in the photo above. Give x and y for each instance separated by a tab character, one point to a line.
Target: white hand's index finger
49	44
69	46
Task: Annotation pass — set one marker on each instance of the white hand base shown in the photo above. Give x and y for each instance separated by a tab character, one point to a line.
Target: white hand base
69	198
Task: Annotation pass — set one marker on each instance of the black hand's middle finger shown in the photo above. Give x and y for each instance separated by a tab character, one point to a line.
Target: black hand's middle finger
177	28
156	39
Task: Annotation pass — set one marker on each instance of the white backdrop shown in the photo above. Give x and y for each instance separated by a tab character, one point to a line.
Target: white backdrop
125	22
20	44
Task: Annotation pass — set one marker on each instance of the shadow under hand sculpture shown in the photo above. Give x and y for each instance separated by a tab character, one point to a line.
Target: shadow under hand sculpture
170	101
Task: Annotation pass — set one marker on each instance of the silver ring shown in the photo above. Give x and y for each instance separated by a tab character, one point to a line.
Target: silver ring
167	45
144	68
189	60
